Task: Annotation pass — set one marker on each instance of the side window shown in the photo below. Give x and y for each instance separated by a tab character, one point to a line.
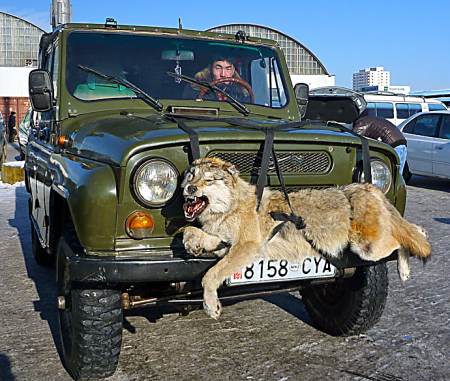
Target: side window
371	109
402	110
405	110
445	130
414	108
55	69
409	128
385	110
278	96
435	106
427	125
266	83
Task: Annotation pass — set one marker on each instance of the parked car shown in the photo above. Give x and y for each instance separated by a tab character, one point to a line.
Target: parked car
116	128
24	129
3	140
397	107
428	137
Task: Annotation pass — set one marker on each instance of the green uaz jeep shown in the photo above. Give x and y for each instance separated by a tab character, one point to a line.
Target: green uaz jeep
121	113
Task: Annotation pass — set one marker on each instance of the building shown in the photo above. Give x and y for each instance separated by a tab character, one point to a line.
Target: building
373	76
391	89
441	95
19	46
303	65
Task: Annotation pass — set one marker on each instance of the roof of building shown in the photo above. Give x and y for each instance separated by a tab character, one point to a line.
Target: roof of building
293	40
22	19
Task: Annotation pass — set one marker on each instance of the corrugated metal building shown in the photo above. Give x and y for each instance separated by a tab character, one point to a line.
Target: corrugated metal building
19	46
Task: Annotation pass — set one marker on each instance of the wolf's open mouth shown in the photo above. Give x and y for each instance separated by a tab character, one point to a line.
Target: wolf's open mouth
193	206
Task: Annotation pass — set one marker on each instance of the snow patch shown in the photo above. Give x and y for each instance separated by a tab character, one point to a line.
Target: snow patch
19	164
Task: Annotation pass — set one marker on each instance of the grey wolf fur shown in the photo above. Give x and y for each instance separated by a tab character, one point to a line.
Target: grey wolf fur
357	215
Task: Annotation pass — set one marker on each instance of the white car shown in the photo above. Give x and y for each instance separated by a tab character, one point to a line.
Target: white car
428	137
397	107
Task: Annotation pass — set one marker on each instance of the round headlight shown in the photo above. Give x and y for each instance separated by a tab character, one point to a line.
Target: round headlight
155	182
381	175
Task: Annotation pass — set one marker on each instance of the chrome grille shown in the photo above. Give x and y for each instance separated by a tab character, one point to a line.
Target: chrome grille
313	162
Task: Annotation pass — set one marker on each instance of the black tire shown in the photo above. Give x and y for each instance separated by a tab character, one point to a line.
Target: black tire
406	173
350	306
90	326
41	256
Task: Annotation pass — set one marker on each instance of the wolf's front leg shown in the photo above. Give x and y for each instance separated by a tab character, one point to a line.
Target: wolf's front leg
238	257
196	241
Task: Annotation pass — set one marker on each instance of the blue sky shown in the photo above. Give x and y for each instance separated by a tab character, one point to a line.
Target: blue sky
411	38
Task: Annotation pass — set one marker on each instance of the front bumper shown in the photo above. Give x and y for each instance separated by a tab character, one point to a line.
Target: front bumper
93	269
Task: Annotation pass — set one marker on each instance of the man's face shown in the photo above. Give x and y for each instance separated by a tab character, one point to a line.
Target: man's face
222	69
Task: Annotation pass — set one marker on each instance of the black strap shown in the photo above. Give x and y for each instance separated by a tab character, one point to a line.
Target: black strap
281	179
193	140
365	152
262	178
260	185
222	245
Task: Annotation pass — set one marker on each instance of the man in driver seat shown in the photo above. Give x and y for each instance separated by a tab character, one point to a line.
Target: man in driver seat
221	69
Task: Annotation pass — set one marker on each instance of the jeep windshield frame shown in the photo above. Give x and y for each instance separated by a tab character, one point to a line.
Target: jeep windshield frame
144	60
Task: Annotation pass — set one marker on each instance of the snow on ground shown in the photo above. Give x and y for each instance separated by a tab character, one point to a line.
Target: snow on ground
19	164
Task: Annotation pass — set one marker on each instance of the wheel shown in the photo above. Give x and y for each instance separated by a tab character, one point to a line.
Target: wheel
351	305
406	173
237	81
90	325
41	256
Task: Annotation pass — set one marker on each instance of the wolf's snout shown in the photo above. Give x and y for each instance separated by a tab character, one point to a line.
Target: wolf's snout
190	190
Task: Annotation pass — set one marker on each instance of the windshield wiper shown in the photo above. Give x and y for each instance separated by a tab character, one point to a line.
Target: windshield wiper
141	94
232	101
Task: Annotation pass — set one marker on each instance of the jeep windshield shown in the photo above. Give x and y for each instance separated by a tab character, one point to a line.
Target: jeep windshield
248	73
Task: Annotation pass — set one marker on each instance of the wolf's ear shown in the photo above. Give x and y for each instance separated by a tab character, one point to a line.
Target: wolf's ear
233	171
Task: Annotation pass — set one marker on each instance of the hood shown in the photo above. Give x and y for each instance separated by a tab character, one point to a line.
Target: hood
115	138
336	104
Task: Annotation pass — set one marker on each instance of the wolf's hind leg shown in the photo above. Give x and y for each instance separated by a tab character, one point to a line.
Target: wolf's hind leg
239	256
403	264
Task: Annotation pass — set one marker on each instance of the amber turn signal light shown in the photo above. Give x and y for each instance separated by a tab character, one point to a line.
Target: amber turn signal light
139	225
64	141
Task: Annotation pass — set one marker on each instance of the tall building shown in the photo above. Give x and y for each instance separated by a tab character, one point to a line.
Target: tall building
303	65
373	76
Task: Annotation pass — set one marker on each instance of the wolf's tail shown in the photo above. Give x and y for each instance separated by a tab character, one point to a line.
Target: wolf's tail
411	237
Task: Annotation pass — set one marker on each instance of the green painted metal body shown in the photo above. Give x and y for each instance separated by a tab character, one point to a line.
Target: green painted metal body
109	138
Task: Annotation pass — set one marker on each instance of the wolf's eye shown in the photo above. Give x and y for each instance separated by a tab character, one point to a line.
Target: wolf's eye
209	181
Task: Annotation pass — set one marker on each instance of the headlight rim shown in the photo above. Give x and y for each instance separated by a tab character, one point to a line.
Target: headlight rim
141	201
376	159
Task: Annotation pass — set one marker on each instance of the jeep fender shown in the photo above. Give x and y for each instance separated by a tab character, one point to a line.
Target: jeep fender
90	193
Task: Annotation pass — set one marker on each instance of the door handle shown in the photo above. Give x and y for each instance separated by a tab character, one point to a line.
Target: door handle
439	147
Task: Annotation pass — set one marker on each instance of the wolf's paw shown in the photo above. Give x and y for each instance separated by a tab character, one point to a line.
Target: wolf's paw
212	306
403	272
193	240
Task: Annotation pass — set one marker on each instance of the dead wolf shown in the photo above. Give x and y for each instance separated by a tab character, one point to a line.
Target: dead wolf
356	216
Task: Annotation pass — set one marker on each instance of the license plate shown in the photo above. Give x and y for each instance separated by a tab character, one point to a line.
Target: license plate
271	270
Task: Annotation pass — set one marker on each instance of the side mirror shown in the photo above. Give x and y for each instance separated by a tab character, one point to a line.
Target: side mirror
41	90
302	96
